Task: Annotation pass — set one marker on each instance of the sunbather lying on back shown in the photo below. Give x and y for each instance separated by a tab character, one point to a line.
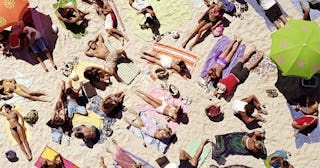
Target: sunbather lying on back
150	129
144	7
162	107
59	114
223	60
99	50
97	76
70	14
253	143
238	74
110	102
57	162
167	62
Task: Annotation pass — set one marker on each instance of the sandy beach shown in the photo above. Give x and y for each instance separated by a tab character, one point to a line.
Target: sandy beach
252	29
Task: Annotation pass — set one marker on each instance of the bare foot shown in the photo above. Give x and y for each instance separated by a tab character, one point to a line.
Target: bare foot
191	47
125	37
239	40
296	133
309	136
254	49
126	120
234	38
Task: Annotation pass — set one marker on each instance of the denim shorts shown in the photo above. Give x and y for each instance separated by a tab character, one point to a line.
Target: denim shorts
73	107
38	46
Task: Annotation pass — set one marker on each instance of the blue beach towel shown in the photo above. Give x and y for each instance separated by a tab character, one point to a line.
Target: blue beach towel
261	12
314	14
301	138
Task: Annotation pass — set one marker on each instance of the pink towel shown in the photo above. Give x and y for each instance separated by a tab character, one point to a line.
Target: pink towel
122	159
150	111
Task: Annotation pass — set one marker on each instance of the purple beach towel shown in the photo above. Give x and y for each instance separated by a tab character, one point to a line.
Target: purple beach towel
301	138
218	48
314	14
261	12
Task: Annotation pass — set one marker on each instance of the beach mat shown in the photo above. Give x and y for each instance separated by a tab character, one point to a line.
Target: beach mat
79	30
151	112
23	80
301	138
92	119
175	53
231	144
277	153
217	49
314	14
139	160
49	154
8	129
128	72
254	4
193	147
160	145
171	14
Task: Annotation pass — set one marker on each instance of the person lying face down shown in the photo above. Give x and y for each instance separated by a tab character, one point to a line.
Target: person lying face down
109	103
70	14
90	135
238	74
150	129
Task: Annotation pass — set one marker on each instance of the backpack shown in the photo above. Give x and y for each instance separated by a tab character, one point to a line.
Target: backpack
32	117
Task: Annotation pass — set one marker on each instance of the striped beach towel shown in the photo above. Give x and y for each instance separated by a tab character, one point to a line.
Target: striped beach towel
189	59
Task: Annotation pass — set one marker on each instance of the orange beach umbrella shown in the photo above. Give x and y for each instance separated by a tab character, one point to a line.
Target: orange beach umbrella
11	11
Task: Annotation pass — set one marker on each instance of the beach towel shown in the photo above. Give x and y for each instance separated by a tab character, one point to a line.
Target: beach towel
193	147
151	112
277	153
8	129
175	53
217	49
49	154
261	12
231	144
139	160
92	119
160	145
301	138
128	72
78	29
23	80
314	14
170	13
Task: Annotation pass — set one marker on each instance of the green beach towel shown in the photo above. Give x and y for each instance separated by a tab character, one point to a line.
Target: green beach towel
171	14
78	28
192	149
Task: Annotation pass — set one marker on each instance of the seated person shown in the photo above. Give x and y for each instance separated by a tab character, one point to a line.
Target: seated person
121	158
151	130
4	40
89	135
108	104
161	105
245	107
73	100
167	62
279	162
306	6
186	161
273	12
252	142
10	86
110	24
57	162
59	115
37	45
96	75
237	75
99	50
223	60
70	14
309	119
210	19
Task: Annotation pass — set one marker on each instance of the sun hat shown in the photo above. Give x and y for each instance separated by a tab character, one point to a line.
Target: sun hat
11	156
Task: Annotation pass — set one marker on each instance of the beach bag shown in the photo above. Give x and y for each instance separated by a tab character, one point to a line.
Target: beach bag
218	31
11	156
228	6
213	111
32	117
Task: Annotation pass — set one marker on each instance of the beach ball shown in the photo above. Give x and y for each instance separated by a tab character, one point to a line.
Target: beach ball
54	28
74	76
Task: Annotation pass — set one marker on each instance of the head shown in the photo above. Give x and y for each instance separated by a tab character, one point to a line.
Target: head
7	108
79	135
165	133
44	164
285	164
92	45
183	67
249	108
220	5
61	11
212	73
258	145
89	74
310	101
99	3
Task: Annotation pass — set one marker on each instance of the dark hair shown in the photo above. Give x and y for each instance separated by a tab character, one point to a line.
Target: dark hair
60	10
285	163
99	3
310	101
79	135
91	75
71	93
8	106
44	164
249	108
183	67
180	111
1	81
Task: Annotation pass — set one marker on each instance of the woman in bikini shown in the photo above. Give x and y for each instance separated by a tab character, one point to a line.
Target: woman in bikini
253	143
17	129
167	63
161	106
59	115
10	86
223	60
210	19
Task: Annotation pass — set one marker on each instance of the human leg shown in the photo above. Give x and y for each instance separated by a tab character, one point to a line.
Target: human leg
256	62
299	127
306	14
277	24
283	19
102	165
154	102
34	98
23	138
17	138
48	54
193	33
28	91
132	123
195	159
151	59
233	50
227	50
41	63
205	27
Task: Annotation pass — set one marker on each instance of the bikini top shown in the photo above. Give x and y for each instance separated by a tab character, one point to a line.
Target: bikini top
13	116
7	89
214	12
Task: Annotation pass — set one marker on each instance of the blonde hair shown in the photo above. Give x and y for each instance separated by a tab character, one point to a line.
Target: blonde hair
258	144
220	5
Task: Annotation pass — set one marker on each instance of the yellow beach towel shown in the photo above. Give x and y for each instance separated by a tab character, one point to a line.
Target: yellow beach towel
8	130
93	119
171	14
81	66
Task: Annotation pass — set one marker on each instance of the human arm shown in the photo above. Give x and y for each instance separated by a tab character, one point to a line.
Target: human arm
2	113
204	13
255	100
245	118
100	39
310	110
6	96
21	117
217	24
151	12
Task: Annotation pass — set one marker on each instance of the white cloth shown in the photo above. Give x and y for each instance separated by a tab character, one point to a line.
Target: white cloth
238	105
140	4
165	61
29	30
108	22
161	108
267	4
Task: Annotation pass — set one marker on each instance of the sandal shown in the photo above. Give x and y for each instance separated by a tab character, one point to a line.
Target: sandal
262	111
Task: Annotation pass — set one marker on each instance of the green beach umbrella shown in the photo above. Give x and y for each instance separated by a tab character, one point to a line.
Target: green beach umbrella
296	48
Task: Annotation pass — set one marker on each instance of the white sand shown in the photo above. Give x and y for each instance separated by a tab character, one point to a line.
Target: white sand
253	31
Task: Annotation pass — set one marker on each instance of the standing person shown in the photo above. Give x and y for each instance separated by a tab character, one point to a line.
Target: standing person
306	6
111	23
18	131
245	107
186	161
273	12
37	45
